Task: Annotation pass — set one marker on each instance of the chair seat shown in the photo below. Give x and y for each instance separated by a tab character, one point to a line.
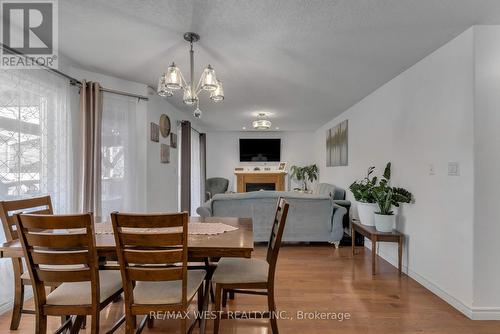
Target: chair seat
167	292
238	270
79	293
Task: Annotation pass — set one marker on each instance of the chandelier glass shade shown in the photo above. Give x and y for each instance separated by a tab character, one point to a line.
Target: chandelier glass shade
163	91
173	77
262	123
173	80
218	94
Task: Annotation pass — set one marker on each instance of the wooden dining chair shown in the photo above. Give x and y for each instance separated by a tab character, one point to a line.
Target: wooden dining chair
40	205
61	249
152	253
252	276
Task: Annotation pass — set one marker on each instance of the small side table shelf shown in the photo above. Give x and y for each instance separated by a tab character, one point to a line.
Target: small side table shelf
375	236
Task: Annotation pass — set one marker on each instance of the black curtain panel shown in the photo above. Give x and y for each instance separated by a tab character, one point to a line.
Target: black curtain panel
186	166
203	164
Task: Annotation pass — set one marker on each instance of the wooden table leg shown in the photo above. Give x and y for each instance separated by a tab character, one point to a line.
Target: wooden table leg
353	239
374	254
400	254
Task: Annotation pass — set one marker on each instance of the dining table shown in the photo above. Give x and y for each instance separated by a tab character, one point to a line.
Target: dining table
235	242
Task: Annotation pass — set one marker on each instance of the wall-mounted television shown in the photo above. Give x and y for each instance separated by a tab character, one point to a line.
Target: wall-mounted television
260	150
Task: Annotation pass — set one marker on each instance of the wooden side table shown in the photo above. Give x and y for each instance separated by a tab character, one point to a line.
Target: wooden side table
375	236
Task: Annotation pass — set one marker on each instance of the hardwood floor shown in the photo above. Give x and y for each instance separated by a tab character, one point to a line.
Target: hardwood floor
321	278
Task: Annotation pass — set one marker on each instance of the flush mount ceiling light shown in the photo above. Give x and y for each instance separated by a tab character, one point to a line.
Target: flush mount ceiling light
262	123
173	80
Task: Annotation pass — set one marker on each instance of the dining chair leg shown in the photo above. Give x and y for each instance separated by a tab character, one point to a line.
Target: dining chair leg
272	311
225	293
94	326
77	325
200	298
18	304
151	321
218	293
129	323
184	325
41	324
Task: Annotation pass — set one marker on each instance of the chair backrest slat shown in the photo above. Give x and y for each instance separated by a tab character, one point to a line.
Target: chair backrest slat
132	239
58	258
59	249
276	235
40	205
151	255
163	220
48	276
155	274
57	240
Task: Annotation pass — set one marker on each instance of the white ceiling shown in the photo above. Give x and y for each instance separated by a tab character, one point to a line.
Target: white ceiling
302	61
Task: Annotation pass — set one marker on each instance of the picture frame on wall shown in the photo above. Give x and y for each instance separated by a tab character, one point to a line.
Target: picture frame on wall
337	145
173	140
154	132
165	154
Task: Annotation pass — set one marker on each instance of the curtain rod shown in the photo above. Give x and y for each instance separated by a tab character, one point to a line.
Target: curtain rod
72	81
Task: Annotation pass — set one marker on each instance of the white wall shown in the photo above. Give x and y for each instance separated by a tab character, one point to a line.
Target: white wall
223	151
423	116
158	182
487	175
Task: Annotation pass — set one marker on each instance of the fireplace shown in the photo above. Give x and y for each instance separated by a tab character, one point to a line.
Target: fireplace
257	180
259	186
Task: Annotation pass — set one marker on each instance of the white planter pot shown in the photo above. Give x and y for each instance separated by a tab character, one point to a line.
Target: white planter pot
384	223
366	213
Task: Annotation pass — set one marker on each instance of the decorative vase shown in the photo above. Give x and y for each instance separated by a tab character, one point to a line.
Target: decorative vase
384	223
366	213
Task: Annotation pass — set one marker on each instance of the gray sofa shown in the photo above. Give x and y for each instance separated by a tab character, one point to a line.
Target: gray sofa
311	217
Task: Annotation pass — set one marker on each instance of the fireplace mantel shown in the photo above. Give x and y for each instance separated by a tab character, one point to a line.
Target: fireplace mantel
276	178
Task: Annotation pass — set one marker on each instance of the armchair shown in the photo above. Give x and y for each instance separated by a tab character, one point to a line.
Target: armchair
215	185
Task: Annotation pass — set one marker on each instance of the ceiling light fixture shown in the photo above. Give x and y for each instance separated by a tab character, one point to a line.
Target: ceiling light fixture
173	80
262	123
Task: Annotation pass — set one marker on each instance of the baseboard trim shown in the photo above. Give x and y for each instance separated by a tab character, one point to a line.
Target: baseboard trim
485	313
473	313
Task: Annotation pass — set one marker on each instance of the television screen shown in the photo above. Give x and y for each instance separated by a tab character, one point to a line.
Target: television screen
260	150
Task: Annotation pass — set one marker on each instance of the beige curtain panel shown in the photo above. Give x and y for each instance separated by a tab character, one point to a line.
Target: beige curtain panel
90	167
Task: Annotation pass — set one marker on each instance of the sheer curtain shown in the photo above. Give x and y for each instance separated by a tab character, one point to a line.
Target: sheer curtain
195	172
119	188
36	145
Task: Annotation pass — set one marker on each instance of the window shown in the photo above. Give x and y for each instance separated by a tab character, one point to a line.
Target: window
120	183
35	145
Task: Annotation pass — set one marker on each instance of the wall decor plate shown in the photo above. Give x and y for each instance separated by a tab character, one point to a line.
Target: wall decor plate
165	126
155	132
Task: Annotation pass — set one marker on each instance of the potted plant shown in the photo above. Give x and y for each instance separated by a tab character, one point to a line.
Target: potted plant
304	174
362	192
388	197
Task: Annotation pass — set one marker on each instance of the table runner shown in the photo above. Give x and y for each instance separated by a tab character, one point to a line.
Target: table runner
193	229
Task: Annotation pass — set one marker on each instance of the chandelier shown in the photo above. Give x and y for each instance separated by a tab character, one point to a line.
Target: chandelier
262	123
173	80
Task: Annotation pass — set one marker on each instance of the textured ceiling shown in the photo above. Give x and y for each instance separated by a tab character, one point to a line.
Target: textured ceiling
302	61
